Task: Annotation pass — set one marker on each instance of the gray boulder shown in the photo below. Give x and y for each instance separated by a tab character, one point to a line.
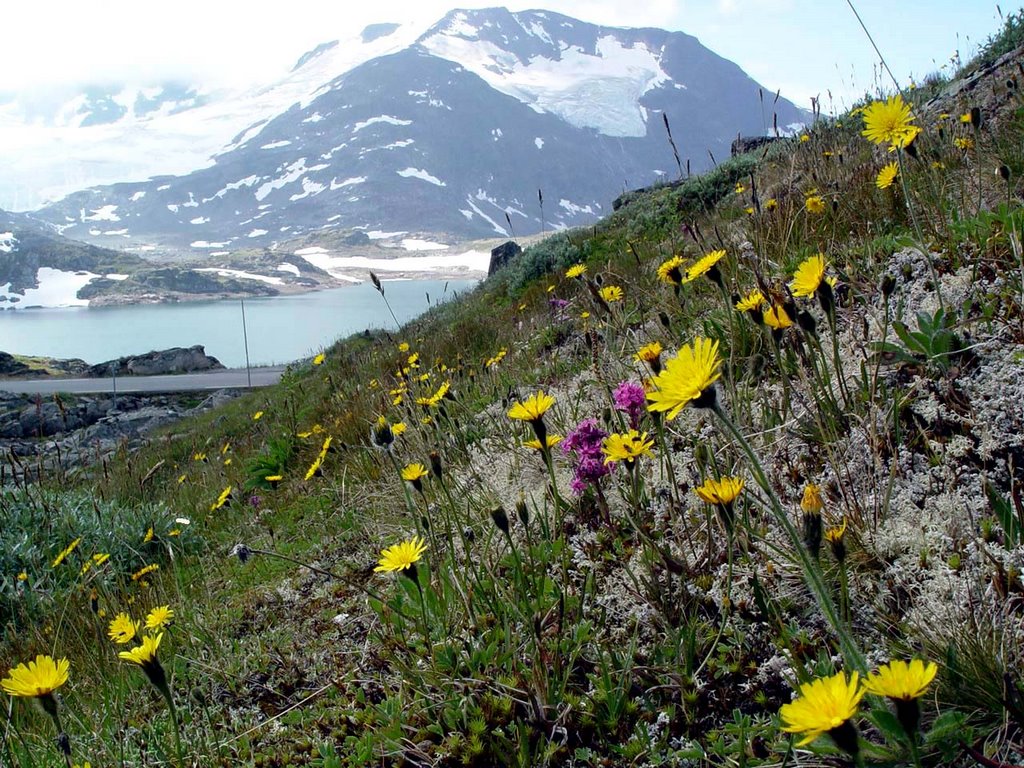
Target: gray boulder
502	255
158	363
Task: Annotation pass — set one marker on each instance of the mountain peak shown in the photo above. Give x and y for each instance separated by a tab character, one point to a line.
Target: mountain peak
590	76
373	32
309	55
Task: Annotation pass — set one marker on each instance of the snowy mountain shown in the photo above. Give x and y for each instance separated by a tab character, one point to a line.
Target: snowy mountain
450	130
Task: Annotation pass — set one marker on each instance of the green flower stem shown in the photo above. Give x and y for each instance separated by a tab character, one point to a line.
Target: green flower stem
405	488
49	704
837	360
668	469
812	573
423	610
633	468
177	727
471	612
776	347
844	592
602	504
917	229
675	503
823	383
915	753
556	498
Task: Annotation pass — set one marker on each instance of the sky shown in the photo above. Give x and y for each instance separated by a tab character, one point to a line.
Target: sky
803	47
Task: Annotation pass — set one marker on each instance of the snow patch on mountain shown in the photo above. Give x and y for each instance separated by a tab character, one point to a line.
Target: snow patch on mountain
574	209
248	181
308	188
56	288
347	182
379	119
599	90
104	213
8	242
240	275
291	174
417	173
475	208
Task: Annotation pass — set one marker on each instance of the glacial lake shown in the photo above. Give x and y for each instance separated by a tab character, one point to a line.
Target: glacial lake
280	328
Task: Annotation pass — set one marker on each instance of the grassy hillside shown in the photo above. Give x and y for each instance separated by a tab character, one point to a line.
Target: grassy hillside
824	478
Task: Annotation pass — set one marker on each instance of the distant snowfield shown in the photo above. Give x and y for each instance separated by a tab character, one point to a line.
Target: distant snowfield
412	244
474	261
240	275
57	288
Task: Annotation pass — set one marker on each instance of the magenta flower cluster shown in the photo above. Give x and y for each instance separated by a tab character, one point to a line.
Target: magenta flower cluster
630	398
585	442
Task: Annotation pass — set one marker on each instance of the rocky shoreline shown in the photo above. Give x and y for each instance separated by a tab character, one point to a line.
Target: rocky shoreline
61	433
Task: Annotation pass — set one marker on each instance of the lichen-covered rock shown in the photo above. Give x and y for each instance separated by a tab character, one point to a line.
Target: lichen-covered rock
157	363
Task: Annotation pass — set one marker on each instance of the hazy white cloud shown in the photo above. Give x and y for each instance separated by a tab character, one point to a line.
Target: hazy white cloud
804	44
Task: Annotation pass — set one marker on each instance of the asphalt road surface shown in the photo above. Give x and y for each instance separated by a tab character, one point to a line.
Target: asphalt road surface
234	378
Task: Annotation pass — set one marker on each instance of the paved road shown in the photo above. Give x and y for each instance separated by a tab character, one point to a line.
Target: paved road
185	382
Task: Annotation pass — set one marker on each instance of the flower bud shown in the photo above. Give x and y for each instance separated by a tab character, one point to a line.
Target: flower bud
500	519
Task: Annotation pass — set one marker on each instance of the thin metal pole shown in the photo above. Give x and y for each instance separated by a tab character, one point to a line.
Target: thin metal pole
113	381
245	339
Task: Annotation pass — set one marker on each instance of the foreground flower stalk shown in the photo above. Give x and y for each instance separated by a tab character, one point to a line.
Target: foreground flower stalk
145	656
903	683
37	680
812	571
891	122
401	558
532	410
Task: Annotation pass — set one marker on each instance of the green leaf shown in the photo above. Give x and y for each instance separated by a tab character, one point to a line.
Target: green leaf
909	340
887	723
1005	514
947	726
897	353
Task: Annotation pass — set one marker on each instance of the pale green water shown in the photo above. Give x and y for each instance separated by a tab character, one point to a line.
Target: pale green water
280	329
